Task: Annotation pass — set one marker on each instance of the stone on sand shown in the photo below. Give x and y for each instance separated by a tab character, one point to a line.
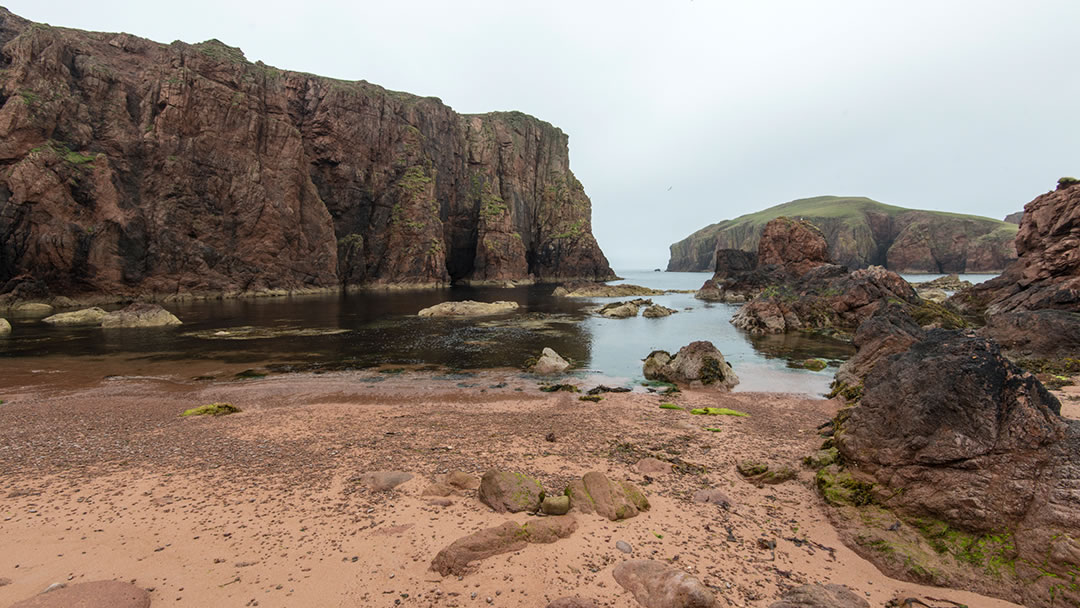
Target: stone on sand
573	601
549	363
509	536
652	466
595	493
97	594
820	596
555	505
382	481
504	492
460	480
655	584
712	496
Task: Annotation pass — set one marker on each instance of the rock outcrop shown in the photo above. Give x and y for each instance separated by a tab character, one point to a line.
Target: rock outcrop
861	233
1014	218
961	443
588	289
142	169
468	308
5	327
827	297
788	249
698	361
1046	277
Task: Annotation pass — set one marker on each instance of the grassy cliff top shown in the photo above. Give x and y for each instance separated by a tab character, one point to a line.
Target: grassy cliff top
847	208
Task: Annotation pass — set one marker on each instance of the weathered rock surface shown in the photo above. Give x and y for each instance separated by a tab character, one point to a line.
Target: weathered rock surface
588	289
96	594
555	505
949	282
1046	277
698	361
549	363
5	327
32	309
933	294
623	310
760	473
712	496
820	596
890	330
504	492
137	168
652	466
1047	273
1014	218
383	481
826	297
595	493
861	232
140	315
795	245
468	308
574	601
86	317
656	311
460	480
505	538
978	444
655	584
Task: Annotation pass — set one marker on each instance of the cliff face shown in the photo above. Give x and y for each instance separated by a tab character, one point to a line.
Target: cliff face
132	167
862	232
1047	274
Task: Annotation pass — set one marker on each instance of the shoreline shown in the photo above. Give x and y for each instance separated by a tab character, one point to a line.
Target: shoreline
106	481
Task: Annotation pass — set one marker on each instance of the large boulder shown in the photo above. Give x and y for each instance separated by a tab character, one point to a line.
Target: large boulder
615	500
698	361
457	558
96	594
5	327
139	315
949	430
820	596
468	308
888	331
795	245
549	363
504	492
89	317
655	584
656	311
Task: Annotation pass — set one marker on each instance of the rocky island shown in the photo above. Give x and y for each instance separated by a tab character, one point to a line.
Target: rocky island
861	232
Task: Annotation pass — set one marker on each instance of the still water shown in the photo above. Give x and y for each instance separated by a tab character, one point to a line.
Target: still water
361	330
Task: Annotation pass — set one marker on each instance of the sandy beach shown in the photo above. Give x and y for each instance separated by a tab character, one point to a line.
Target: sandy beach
104	480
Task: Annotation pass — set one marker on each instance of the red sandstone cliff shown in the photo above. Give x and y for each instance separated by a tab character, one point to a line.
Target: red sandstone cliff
130	167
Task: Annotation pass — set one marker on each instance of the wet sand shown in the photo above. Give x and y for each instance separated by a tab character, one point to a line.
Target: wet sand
104	480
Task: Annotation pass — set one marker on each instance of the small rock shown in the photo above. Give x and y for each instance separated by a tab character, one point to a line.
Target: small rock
712	496
550	437
820	596
549	363
652	466
139	315
504	491
555	505
382	481
438	489
468	308
624	546
573	602
97	594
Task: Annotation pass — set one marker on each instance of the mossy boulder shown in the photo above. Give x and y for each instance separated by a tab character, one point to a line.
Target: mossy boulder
822	458
212	409
505	491
615	500
839	487
697	362
761	473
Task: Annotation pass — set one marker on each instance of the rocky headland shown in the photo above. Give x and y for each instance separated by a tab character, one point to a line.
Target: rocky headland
133	169
861	232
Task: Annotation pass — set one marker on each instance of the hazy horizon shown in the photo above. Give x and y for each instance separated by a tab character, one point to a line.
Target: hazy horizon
697	112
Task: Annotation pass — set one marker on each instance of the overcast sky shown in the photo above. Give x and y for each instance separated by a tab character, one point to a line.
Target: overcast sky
684	113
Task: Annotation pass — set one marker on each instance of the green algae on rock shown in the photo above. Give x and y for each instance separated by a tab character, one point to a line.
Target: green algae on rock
212	409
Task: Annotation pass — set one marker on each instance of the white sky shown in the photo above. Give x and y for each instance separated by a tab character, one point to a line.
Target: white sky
960	105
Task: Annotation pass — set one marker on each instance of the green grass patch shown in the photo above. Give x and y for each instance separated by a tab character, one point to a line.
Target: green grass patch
593	398
669	406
